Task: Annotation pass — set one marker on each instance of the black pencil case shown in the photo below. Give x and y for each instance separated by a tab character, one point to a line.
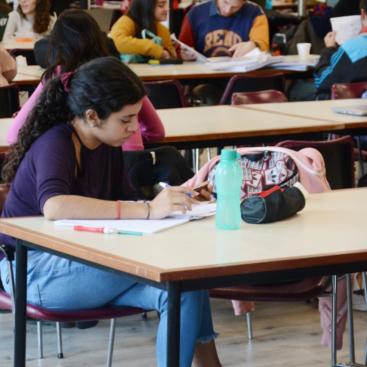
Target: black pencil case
272	205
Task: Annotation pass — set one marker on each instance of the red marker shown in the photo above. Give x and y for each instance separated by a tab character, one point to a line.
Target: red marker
89	229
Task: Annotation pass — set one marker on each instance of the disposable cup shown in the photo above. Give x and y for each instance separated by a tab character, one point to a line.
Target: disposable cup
303	50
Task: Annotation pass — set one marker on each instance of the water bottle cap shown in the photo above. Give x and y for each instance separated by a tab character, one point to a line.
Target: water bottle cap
228	154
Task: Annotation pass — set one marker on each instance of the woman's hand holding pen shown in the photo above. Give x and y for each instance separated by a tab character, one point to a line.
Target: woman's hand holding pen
170	200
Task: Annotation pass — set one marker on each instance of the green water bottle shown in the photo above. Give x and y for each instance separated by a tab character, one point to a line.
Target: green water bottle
228	182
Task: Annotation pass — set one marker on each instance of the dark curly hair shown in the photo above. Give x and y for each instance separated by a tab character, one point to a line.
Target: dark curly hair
104	84
75	39
42	17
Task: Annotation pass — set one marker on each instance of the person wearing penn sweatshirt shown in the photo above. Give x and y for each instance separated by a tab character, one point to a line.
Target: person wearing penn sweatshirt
225	28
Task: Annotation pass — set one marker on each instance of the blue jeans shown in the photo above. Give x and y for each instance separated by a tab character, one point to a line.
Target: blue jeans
57	283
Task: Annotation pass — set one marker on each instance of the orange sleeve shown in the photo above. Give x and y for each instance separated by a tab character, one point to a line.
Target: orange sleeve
260	32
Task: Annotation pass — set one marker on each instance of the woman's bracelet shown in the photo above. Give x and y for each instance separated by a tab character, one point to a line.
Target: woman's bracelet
147	204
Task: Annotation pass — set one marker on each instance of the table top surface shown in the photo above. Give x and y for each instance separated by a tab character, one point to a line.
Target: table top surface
330	230
18	44
319	110
30	74
215	123
221	122
4	127
195	70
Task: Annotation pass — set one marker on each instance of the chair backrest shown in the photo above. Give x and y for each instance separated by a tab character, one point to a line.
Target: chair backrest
338	157
251	84
9	100
348	90
166	94
263	96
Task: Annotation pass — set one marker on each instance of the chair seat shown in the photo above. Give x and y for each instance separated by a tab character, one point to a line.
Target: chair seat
288	291
40	313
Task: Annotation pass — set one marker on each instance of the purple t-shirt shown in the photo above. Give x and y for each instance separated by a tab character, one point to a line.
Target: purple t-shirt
49	168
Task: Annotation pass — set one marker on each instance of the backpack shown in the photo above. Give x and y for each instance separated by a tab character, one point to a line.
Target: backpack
268	166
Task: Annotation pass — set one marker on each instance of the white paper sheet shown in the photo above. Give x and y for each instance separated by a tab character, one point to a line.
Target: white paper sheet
143	226
346	27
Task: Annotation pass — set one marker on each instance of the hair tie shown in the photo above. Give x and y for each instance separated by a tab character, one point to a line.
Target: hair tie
66	80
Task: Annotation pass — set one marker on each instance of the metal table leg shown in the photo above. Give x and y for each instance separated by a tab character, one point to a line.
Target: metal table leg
20	305
173	324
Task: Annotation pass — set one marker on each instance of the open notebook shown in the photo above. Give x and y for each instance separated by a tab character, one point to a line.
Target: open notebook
253	60
143	226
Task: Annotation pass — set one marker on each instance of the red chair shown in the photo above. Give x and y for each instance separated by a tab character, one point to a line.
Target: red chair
251	84
264	96
42	314
348	90
166	94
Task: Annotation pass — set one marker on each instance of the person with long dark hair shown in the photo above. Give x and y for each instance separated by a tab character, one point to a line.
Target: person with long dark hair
31	19
144	15
75	39
67	163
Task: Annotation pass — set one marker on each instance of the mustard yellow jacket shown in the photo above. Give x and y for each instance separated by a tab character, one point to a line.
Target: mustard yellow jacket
124	35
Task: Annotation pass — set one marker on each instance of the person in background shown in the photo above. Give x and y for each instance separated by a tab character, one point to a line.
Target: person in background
225	28
317	25
144	15
344	63
76	39
8	68
31	19
67	164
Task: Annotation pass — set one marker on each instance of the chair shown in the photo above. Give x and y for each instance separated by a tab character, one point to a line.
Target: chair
9	98
264	96
166	94
251	84
298	290
42	314
338	157
348	90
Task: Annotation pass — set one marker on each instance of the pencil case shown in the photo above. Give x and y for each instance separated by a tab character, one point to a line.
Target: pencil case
273	205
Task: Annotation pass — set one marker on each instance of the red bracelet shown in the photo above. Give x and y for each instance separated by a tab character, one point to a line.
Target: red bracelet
118	209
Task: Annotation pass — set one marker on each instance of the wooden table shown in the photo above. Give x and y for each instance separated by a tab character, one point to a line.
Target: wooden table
28	75
13	44
4	127
316	110
217	125
327	237
195	70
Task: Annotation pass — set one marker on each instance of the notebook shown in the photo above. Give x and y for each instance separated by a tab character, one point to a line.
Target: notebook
356	110
144	226
252	55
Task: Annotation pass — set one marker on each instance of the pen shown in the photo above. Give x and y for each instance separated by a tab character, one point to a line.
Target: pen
164	185
106	230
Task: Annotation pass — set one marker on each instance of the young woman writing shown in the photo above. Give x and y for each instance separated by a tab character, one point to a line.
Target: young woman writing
75	39
144	15
67	163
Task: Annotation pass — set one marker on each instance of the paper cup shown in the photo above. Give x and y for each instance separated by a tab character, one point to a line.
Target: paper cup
303	50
